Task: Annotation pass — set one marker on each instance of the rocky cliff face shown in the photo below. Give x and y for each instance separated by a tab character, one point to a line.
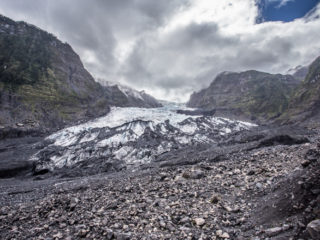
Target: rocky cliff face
305	102
249	94
44	85
42	80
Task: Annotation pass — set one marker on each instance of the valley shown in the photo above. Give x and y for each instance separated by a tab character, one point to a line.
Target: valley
87	159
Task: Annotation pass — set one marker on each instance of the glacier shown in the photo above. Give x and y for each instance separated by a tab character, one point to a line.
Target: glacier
132	136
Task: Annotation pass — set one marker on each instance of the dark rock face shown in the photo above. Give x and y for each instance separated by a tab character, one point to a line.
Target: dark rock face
296	199
15	154
265	97
197	112
43	83
304	104
251	94
283	140
259	137
314	229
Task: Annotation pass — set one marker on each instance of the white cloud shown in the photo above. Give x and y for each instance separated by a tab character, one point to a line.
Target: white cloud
281	2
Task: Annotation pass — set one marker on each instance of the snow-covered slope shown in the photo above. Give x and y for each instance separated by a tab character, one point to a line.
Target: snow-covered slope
123	96
126	90
132	136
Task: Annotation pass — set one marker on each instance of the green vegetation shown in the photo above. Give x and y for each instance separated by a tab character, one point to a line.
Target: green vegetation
252	93
23	60
304	103
36	78
269	97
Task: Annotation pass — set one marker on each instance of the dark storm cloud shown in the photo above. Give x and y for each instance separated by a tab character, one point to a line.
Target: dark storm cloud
197	35
135	67
93	27
171	51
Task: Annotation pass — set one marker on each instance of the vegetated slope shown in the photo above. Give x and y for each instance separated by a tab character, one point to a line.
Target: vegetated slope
42	81
249	94
305	102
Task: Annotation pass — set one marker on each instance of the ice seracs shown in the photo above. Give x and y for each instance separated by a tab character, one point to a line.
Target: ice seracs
133	135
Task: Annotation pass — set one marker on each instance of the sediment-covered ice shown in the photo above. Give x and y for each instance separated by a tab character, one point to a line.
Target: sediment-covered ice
133	135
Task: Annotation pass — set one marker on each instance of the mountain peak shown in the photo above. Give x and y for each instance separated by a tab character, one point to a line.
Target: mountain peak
125	96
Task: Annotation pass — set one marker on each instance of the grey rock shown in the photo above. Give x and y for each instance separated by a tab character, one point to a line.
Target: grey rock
314	229
199	221
215	198
185	220
195	174
273	231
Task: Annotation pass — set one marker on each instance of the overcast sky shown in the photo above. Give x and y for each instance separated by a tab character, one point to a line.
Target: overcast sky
171	48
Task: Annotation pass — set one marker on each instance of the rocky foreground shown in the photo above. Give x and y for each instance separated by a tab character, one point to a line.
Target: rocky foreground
268	189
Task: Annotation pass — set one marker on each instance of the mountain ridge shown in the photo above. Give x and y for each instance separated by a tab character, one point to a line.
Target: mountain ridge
264	97
243	94
43	81
131	97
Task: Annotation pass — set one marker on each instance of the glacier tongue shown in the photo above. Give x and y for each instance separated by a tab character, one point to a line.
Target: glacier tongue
132	136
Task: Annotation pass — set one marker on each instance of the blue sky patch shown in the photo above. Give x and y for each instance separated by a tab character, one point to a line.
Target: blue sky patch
284	10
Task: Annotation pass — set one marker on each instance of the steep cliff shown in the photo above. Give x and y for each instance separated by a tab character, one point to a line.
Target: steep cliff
42	81
304	103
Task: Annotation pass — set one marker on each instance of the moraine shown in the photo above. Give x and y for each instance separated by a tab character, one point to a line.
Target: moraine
130	137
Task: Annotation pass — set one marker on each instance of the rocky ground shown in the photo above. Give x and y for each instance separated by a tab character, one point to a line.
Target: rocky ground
257	188
14	155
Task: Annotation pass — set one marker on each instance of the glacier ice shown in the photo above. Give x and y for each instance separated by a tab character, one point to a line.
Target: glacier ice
133	135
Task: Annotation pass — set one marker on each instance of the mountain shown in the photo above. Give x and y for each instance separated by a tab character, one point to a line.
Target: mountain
250	94
304	104
44	85
124	96
42	81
